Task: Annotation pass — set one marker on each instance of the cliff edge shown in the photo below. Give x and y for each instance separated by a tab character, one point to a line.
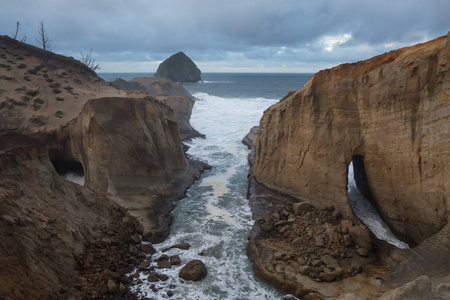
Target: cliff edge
390	115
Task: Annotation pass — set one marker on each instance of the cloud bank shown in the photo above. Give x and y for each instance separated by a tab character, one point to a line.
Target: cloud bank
228	36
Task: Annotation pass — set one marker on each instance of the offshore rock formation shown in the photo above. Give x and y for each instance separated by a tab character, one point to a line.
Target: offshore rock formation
176	97
171	93
57	114
391	116
179	68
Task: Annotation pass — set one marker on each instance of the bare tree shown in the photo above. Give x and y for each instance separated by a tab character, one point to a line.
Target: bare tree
17	32
43	38
89	61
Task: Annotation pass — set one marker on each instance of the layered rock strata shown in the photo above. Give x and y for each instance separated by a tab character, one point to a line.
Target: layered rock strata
392	110
391	116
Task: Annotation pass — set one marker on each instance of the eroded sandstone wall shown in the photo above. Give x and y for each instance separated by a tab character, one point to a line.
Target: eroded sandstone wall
394	111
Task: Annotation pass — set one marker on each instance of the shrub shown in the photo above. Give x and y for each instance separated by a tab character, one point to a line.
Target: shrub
39	101
59	99
54	85
59	114
33	93
22	66
56	91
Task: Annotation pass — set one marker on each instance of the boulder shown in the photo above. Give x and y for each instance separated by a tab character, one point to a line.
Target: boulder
179	68
194	270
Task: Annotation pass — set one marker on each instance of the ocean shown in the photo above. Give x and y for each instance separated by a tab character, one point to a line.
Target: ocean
215	218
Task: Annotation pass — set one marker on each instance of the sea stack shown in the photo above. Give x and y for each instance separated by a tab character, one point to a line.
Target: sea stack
179	68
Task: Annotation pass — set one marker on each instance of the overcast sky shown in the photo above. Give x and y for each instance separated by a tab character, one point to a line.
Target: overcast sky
230	35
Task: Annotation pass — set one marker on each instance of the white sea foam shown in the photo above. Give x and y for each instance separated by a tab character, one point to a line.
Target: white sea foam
368	214
77	178
215	217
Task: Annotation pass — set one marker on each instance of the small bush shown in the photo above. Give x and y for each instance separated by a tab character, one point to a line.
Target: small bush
22	66
20	58
49	80
39	101
68	88
7	78
56	91
32	72
25	98
33	93
3	56
59	114
7	67
59	99
45	75
27	78
77	80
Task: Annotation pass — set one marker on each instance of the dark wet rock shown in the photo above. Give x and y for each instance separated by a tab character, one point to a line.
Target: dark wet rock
164	264
147	249
175	260
162	277
153	277
169	293
182	246
163	257
194	270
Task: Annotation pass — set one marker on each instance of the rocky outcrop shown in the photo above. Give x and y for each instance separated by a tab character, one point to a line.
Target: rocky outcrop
47	223
170	93
144	171
390	115
176	97
393	111
179	68
56	114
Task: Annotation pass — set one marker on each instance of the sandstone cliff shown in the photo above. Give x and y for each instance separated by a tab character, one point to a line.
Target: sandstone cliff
390	115
393	111
55	113
179	68
176	97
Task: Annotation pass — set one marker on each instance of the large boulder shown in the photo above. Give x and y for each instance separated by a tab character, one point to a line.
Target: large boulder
194	270
179	68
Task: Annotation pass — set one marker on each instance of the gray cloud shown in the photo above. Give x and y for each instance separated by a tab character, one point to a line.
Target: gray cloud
270	33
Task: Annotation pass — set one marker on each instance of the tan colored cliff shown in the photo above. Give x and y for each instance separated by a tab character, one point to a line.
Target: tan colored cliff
393	110
55	112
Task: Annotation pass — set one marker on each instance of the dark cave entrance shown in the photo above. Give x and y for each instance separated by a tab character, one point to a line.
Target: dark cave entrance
359	174
70	170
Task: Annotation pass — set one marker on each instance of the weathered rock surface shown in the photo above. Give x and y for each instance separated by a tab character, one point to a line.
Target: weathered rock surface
194	270
391	114
394	111
179	68
170	93
58	237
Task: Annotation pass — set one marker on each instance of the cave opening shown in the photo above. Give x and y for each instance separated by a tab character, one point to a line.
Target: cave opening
70	170
363	203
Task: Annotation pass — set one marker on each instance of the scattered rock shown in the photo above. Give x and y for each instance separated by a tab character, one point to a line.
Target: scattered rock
153	277
194	270
301	207
112	288
164	264
175	260
147	249
182	246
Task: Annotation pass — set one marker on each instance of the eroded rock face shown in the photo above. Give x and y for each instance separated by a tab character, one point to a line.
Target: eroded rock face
394	111
130	149
176	97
